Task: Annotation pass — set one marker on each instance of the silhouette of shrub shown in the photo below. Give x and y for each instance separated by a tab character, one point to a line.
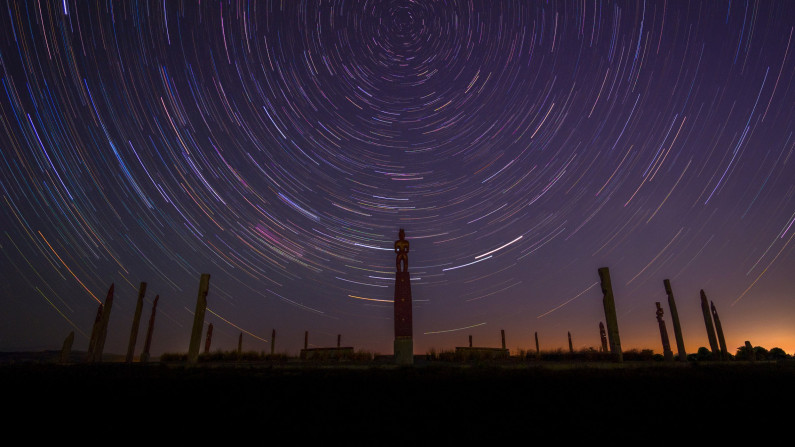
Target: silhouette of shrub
744	353
703	354
777	354
173	357
635	355
761	353
276	357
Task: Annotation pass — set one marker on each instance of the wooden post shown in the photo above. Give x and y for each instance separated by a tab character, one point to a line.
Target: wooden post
571	347
273	341
603	336
610	314
198	318
306	339
66	349
680	342
339	340
538	351
103	326
470	341
92	342
240	345
136	321
208	339
713	342
502	333
724	353
148	343
667	354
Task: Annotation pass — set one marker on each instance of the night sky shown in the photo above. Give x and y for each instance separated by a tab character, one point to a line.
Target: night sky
280	145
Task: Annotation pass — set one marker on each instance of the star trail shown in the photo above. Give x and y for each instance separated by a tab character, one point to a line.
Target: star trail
280	145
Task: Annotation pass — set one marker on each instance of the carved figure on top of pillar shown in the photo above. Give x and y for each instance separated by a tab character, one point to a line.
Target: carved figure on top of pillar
402	250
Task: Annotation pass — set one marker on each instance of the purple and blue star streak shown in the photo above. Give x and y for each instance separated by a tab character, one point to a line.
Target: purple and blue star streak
279	146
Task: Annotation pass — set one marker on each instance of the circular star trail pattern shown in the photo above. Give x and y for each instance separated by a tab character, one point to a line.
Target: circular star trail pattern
279	146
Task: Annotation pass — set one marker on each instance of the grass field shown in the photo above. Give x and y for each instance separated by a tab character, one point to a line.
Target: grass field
367	399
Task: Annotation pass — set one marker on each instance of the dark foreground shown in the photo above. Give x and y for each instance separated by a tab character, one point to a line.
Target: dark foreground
360	400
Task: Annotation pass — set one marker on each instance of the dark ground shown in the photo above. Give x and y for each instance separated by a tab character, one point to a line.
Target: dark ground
567	400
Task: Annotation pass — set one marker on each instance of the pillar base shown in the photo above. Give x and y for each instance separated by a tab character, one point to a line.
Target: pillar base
404	351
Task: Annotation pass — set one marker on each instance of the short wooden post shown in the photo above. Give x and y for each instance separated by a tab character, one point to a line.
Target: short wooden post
680	343
136	321
92	342
208	339
667	354
571	347
103	326
603	336
149	331
66	349
609	304
713	342
724	352
198	318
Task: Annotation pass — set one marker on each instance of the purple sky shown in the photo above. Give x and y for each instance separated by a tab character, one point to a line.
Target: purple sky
280	145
